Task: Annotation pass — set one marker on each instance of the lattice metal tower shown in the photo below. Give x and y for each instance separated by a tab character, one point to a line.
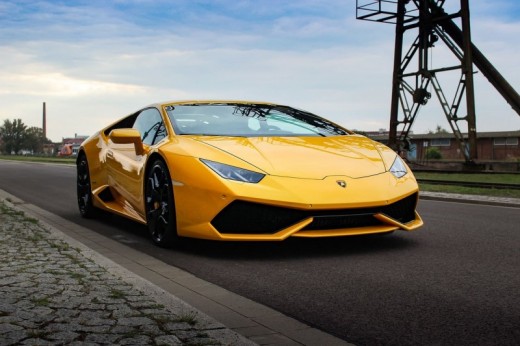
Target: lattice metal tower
412	87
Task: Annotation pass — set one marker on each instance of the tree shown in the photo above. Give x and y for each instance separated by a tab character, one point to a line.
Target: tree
34	139
12	136
433	154
438	129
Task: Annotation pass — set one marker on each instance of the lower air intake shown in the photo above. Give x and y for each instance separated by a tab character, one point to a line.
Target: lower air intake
241	217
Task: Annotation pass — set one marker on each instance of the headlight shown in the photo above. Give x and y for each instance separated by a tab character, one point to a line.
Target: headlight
398	168
234	173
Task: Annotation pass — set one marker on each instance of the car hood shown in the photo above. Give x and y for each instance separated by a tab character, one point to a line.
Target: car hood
305	157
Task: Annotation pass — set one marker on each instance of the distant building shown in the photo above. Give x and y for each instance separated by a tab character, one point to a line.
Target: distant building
499	146
70	146
49	149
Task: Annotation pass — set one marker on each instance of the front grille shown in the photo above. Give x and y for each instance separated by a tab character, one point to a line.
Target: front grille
342	221
254	218
241	217
403	210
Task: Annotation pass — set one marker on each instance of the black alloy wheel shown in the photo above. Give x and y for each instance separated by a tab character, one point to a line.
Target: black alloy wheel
84	191
160	205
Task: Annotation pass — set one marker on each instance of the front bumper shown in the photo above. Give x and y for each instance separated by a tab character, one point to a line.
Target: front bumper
279	208
253	221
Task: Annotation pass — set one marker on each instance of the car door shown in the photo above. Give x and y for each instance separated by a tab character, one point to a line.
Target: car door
126	166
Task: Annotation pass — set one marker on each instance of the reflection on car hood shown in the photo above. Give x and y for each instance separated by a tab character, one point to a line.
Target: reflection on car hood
305	157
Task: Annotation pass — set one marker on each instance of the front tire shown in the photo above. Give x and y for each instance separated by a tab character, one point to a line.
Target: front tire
160	205
84	189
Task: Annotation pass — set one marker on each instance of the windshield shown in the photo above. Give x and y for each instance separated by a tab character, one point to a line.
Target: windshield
248	120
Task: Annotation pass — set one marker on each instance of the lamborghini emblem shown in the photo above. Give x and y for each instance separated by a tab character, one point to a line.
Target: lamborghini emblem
341	183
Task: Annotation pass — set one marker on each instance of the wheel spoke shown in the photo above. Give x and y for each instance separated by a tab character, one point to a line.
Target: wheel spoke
83	188
153	217
149	190
158	204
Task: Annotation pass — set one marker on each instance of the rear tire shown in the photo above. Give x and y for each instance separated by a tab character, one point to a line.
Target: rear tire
160	205
84	189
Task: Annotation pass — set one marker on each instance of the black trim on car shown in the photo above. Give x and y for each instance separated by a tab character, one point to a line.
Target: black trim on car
241	217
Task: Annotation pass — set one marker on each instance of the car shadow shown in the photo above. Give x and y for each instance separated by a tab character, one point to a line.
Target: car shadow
136	235
296	247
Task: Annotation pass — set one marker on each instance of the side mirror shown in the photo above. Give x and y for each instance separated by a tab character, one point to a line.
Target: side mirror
127	136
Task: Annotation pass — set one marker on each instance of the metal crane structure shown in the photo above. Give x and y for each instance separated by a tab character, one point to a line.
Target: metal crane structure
412	86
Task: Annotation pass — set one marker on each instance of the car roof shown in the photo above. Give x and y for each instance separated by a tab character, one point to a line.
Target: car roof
186	102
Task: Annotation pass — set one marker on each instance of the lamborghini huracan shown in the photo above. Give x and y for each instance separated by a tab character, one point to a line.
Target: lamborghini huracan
243	171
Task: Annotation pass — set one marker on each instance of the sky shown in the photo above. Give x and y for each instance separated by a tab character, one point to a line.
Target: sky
95	61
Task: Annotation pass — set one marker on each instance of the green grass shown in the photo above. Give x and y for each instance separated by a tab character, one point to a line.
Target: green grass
36	237
77	276
61	246
190	318
41	301
8	211
48	159
501	178
470	190
117	294
37	333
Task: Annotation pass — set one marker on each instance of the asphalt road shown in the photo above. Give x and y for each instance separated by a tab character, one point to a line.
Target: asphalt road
454	282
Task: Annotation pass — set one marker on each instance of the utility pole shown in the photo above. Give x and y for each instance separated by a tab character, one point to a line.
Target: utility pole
44	125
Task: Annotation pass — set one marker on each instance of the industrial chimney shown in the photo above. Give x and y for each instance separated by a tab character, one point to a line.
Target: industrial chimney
44	121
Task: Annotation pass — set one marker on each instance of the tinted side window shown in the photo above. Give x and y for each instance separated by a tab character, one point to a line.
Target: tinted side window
150	125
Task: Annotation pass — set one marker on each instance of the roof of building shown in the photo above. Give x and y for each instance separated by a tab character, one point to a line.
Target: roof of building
495	134
76	140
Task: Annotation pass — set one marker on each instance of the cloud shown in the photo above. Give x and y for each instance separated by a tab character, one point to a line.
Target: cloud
54	84
94	61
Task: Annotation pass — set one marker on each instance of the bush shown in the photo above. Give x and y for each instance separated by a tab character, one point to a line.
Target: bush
433	154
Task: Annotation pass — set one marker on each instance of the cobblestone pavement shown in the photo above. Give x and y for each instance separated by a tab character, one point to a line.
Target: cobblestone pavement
51	294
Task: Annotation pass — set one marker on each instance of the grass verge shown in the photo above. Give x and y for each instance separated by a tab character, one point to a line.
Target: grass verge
470	190
48	159
501	178
497	178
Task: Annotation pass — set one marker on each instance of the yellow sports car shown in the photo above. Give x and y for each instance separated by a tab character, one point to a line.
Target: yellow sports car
235	170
